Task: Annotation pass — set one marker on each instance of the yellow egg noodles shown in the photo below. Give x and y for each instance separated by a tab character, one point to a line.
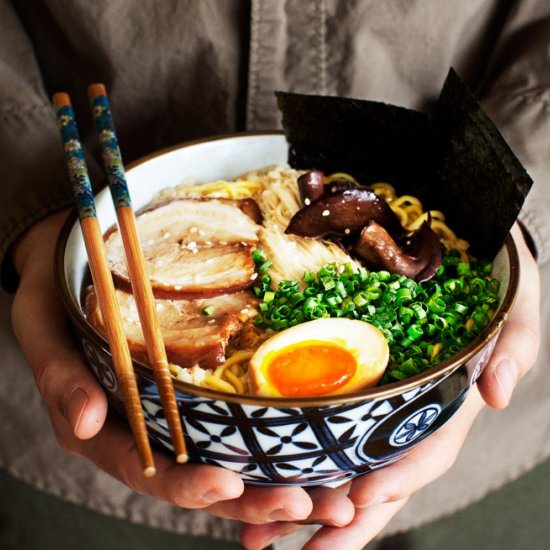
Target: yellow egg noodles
276	192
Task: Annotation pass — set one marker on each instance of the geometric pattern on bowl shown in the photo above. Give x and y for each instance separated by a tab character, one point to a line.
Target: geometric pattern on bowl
287	446
325	445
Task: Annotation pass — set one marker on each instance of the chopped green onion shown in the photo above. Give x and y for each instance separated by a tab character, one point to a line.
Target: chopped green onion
420	310
373	293
360	299
328	282
436	304
208	310
424	323
258	256
341	289
415	332
463	268
264	266
460	307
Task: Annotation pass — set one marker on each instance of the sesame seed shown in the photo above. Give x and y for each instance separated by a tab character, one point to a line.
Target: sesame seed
253	276
307	201
325	213
347	230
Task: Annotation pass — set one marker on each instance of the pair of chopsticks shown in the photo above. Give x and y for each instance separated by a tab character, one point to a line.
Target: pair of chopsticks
101	275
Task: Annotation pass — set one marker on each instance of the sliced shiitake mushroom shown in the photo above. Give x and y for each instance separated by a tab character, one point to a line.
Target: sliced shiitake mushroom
343	214
311	186
416	256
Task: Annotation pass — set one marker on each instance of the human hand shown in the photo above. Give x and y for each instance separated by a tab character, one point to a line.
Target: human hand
518	344
379	495
77	408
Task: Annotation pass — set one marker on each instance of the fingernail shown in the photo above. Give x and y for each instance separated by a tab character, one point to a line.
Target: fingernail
379	499
74	407
505	374
281	515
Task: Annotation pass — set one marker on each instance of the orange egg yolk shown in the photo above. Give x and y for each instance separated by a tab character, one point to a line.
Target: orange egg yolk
310	369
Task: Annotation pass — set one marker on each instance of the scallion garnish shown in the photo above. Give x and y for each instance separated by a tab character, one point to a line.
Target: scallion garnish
424	323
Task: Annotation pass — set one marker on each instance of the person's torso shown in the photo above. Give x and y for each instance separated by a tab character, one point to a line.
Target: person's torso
182	69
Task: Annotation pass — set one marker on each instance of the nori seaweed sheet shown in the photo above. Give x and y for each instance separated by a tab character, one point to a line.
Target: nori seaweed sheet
454	160
373	141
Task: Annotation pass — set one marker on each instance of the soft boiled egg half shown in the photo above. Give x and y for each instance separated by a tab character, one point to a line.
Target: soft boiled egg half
321	357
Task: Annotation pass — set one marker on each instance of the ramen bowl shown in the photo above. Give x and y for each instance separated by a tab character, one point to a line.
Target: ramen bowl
276	441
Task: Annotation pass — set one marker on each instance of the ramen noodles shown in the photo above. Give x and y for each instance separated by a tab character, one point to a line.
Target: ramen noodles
247	304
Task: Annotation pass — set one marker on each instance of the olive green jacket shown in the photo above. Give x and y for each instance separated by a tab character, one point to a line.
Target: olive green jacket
182	69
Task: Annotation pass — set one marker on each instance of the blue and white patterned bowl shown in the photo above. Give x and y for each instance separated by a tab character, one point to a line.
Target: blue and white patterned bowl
271	441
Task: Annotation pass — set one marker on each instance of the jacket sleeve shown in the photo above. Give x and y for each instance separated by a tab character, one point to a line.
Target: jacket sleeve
517	97
33	177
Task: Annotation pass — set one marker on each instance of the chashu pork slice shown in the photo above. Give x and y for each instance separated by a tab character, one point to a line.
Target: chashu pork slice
192	248
190	336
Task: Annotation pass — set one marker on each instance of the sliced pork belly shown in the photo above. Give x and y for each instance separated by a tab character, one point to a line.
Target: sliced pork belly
204	271
190	336
192	248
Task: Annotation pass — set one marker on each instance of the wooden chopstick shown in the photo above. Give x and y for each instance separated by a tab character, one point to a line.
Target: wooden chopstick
101	276
139	278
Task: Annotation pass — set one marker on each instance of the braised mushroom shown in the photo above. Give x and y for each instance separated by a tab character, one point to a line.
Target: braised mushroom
311	186
416	256
343	214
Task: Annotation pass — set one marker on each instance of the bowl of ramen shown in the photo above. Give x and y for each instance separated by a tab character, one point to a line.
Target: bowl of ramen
317	327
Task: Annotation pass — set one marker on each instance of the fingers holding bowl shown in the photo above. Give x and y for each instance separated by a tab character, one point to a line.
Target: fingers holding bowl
518	344
378	495
363	528
331	507
62	378
259	505
426	462
114	451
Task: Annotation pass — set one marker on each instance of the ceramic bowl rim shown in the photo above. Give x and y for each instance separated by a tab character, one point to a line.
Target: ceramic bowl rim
379	392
